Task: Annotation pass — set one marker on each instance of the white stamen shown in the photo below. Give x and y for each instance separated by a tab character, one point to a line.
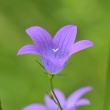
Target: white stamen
55	50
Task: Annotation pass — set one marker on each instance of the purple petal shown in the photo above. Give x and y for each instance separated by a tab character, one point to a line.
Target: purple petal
80	45
41	38
35	107
74	97
53	65
82	102
51	105
28	49
63	39
60	97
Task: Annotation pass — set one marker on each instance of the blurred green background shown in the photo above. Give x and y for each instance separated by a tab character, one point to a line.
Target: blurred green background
22	80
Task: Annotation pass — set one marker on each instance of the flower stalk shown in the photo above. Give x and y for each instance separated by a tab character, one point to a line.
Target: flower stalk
51	84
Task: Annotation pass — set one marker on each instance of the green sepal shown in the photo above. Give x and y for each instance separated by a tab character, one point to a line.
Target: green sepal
61	74
40	64
68	64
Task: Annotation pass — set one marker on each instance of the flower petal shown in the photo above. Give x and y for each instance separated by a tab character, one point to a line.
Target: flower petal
82	102
74	97
41	38
63	39
53	65
60	97
28	49
35	107
51	105
80	45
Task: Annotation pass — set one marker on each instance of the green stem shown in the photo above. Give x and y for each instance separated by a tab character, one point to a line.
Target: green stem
107	86
55	94
0	106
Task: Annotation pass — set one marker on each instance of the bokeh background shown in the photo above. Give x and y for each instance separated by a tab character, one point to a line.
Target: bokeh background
22	80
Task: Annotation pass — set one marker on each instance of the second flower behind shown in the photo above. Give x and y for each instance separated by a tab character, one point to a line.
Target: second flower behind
72	102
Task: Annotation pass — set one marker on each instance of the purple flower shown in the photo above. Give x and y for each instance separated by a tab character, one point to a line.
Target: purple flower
71	103
54	52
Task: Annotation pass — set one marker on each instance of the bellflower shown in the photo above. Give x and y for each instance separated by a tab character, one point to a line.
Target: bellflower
72	102
54	52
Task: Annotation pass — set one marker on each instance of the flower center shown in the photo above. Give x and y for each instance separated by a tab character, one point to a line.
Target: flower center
55	50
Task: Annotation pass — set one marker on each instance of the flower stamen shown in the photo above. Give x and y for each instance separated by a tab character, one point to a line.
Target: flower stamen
55	50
